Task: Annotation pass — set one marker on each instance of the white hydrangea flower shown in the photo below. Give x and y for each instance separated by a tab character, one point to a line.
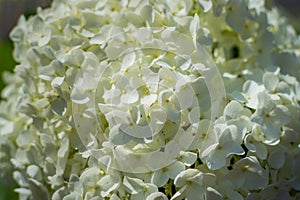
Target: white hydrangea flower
216	154
248	174
250	94
193	184
254	144
270	117
122	100
161	176
138	189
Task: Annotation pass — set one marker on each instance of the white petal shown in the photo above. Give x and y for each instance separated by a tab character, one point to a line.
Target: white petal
188	158
157	195
133	185
276	159
128	60
205	5
130	98
159	178
117	137
270	81
107	184
233	110
174	169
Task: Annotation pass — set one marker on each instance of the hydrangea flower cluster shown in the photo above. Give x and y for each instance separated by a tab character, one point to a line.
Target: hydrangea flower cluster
153	99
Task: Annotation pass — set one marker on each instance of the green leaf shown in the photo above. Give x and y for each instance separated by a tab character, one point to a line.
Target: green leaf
7	62
6	190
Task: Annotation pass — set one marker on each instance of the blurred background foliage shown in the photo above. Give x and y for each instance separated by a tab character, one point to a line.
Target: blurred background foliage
6	59
10	10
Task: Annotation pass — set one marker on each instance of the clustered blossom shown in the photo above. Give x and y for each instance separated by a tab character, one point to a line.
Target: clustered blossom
153	99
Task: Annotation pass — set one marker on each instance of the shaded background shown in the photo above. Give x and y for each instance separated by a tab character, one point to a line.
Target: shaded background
10	10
